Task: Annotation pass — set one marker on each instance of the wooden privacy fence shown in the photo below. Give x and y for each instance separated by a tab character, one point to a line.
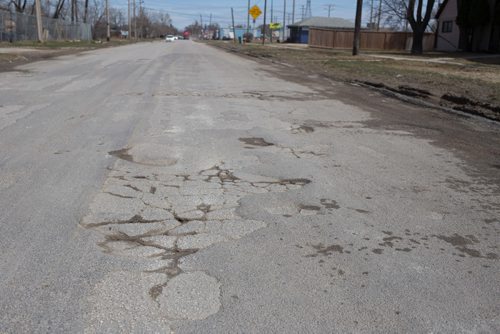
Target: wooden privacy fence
370	40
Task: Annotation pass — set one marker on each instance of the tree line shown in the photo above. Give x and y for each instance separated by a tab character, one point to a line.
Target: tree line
147	23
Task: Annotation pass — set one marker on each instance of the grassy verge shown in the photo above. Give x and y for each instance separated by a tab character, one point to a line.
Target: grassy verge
22	52
64	44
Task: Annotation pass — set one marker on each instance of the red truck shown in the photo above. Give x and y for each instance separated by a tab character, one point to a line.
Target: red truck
185	35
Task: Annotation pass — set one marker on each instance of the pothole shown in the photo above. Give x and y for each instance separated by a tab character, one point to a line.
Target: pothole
174	214
146	154
255	141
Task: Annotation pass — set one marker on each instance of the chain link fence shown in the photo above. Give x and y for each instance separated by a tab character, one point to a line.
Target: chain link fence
22	27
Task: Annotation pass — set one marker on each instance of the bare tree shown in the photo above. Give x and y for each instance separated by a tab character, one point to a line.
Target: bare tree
394	14
59	9
416	13
85	11
419	20
20	5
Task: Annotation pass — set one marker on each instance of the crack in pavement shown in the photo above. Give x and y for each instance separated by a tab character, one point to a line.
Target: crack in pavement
174	215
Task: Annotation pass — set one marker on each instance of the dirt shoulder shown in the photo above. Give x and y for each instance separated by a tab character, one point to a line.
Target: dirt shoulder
464	82
19	53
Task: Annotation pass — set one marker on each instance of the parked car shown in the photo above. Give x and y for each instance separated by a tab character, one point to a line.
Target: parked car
170	38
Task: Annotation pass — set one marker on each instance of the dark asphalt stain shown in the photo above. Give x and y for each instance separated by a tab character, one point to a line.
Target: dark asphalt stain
377	251
309	207
132	187
329	203
458	240
224	175
388	241
122	154
300	182
118	195
463	243
137	219
152	190
306	128
326	250
255	141
361	211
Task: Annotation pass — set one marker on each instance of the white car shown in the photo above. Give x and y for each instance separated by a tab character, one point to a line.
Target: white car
170	38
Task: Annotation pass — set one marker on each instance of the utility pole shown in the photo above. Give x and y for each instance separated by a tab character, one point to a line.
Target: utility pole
330	9
135	23
201	23
283	37
264	26
234	29
271	21
293	12
303	12
308	13
248	18
108	32
129	22
371	15
379	14
38	9
141	17
357	28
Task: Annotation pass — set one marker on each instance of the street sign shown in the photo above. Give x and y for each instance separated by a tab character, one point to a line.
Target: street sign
255	12
275	26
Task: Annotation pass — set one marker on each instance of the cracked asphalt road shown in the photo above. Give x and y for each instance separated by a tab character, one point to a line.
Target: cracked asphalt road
177	188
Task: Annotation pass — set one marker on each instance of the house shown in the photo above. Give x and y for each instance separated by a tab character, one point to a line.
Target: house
484	36
299	31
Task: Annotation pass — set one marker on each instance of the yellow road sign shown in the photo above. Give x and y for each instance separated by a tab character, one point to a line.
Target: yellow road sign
255	12
275	25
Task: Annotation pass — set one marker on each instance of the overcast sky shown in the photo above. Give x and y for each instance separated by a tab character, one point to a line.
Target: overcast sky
185	12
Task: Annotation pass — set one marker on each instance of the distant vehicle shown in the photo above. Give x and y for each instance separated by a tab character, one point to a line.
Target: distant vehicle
176	38
170	38
185	35
179	37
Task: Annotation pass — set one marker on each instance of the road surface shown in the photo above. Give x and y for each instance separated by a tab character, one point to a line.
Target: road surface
172	187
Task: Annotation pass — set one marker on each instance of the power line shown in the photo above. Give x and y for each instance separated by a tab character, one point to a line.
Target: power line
308	11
